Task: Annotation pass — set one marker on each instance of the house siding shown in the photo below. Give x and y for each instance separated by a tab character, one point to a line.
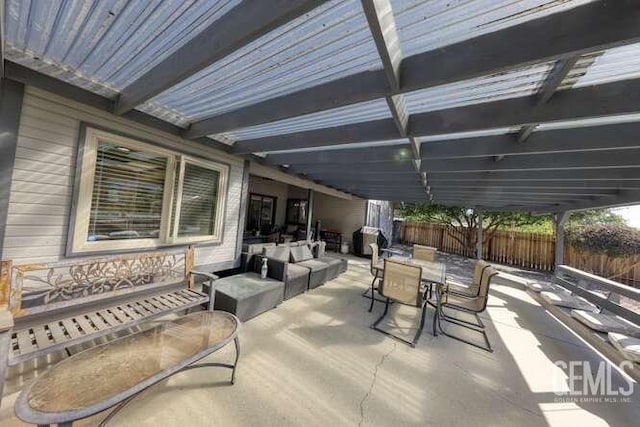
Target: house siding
275	189
42	179
344	216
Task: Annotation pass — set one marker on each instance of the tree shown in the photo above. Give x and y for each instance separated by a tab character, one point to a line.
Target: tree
461	223
595	216
620	243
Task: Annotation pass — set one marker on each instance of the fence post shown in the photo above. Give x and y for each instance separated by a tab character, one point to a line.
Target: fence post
561	219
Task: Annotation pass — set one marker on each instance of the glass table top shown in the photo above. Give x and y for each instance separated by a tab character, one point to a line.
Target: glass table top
106	371
434	272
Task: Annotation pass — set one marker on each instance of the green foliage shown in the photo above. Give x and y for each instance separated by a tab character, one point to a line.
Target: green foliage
595	216
462	222
543	224
611	239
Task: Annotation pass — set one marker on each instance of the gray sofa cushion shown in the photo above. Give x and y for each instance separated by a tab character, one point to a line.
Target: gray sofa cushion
313	264
281	253
295	271
301	253
255	248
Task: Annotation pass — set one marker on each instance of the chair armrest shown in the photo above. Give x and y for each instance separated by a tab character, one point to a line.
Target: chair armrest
211	278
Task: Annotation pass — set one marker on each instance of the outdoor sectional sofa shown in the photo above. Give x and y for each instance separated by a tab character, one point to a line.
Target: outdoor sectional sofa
295	265
295	277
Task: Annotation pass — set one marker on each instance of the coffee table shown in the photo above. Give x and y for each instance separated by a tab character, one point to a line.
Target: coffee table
113	373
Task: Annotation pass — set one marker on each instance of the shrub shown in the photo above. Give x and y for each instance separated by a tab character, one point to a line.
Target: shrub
611	239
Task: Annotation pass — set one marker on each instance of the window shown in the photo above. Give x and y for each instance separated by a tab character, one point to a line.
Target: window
297	211
134	195
262	212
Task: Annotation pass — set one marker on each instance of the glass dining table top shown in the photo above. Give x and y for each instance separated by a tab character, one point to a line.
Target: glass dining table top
107	371
433	272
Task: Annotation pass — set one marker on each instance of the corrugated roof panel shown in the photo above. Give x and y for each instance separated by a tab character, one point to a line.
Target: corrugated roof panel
594	121
424	25
329	42
402	141
109	43
620	63
356	113
469	134
509	84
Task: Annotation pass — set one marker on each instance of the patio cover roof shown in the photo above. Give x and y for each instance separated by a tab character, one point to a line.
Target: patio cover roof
526	105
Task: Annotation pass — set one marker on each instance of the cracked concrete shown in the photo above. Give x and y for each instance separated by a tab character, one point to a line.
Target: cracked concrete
373	383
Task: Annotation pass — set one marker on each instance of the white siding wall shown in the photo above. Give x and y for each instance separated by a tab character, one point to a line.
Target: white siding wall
42	183
345	216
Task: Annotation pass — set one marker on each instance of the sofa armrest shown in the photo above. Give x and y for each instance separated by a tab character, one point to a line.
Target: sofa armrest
277	269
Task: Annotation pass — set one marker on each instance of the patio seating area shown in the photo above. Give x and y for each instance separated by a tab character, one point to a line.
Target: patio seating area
174	171
319	351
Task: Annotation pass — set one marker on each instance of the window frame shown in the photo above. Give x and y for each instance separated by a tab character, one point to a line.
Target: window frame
223	170
90	137
262	197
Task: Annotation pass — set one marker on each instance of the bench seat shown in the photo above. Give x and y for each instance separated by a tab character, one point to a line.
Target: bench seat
563	299
629	347
605	322
33	341
545	287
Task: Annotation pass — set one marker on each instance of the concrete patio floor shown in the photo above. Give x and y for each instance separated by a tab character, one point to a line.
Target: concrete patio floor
315	361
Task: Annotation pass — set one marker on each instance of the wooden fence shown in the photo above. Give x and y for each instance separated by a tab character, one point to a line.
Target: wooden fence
521	249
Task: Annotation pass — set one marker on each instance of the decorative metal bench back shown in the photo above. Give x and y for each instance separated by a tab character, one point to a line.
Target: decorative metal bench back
37	288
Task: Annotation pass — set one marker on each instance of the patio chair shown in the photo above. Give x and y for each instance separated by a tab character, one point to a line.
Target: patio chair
424	253
472	289
468	304
376	272
401	283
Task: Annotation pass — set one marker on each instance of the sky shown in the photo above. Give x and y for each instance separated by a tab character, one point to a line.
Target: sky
631	214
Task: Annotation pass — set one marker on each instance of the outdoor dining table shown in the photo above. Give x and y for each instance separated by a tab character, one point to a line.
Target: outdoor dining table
113	373
433	274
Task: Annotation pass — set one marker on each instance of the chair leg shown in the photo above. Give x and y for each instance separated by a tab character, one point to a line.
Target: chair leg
423	312
442	317
386	309
418	333
373	296
477	324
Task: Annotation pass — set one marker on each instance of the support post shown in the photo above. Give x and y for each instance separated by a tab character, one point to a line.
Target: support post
242	214
11	94
479	242
309	214
561	219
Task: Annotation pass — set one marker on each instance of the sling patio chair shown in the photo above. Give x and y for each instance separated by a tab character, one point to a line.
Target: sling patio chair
402	283
376	271
468	304
472	289
424	253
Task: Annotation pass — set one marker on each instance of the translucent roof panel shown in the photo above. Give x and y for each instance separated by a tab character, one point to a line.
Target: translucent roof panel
592	121
424	25
620	63
509	84
370	144
327	43
356	113
469	134
103	45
